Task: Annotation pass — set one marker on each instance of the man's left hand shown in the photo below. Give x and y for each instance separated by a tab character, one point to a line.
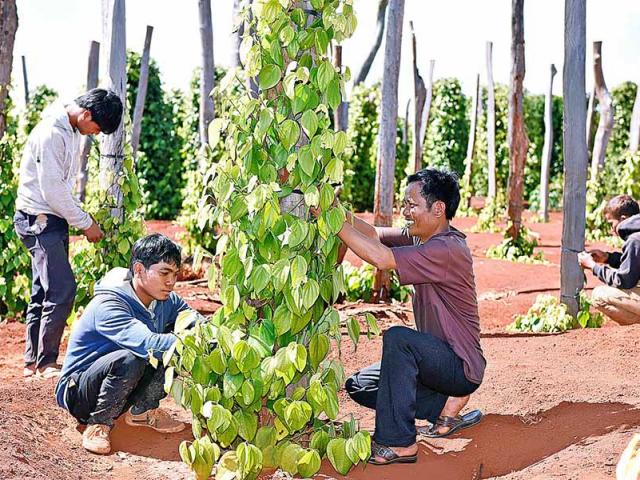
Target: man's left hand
586	261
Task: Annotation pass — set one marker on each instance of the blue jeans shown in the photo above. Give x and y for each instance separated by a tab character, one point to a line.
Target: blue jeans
113	383
53	286
417	374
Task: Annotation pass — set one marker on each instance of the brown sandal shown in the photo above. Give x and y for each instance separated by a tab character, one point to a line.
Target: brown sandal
389	456
456	423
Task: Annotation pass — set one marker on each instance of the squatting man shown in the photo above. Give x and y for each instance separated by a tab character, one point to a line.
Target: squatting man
429	373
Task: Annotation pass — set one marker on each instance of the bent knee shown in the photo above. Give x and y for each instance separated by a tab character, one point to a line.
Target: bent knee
604	295
131	364
396	334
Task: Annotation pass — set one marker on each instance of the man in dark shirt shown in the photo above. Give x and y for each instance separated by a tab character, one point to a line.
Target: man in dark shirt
619	298
429	373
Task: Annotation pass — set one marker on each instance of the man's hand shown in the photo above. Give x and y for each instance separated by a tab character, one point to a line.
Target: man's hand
94	233
586	261
599	256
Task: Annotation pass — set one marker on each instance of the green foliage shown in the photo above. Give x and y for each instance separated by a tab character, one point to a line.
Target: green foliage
624	96
256	377
448	129
493	212
14	258
549	315
520	249
359	284
362	151
90	261
39	99
159	164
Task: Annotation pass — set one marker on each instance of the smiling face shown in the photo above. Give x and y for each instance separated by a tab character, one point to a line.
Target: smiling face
423	221
156	282
86	125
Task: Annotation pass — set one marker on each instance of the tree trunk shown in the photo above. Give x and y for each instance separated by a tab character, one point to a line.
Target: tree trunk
207	73
547	149
491	124
87	140
236	34
405	131
341	115
419	99
9	17
575	152
366	66
634	133
25	80
518	141
383	199
112	146
606	110
589	130
427	102
141	94
468	164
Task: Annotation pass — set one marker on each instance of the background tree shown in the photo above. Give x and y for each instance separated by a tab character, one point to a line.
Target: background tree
634	126
491	124
207	70
141	92
9	16
606	111
419	99
366	66
547	149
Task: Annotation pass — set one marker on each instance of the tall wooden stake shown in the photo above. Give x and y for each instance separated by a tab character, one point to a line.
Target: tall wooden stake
112	146
92	82
491	124
419	99
547	150
141	94
341	114
25	80
207	112
606	110
518	141
383	199
9	26
634	129
366	66
468	163
575	152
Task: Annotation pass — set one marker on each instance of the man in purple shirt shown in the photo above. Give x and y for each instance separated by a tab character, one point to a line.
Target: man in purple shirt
429	373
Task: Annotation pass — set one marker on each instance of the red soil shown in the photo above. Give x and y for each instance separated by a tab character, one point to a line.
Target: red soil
556	406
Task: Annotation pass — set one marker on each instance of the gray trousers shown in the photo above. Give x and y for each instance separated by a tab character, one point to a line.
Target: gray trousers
53	288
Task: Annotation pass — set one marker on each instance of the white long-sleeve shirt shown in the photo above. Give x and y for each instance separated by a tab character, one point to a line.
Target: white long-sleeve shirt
48	169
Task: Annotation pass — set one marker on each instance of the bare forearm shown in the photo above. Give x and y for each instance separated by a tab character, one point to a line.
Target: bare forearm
362	226
367	248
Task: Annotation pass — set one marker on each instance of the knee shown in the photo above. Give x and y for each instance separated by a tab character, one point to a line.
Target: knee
395	336
130	365
602	296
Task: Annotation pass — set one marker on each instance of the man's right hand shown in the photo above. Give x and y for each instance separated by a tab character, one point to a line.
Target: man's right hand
94	233
599	256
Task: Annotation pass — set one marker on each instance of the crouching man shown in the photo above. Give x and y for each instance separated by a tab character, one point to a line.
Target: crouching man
106	370
429	373
619	298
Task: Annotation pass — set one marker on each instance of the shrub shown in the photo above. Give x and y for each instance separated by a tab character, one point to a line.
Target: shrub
359	284
39	99
520	249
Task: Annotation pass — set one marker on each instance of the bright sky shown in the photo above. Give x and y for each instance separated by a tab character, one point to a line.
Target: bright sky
55	36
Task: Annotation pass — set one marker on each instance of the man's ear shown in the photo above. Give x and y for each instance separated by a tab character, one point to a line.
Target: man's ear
440	208
137	268
86	115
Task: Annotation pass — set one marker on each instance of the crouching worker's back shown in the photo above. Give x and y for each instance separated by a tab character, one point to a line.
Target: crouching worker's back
106	371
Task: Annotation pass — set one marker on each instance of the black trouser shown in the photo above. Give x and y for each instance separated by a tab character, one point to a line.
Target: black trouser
112	384
417	374
53	287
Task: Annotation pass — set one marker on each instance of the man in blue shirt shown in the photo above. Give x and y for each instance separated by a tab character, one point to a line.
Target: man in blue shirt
106	370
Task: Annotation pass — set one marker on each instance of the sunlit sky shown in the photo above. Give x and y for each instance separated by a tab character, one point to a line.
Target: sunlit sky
54	36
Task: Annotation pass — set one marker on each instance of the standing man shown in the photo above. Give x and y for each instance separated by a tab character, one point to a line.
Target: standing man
619	297
429	373
45	207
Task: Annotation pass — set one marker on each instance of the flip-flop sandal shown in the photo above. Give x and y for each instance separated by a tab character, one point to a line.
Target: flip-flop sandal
389	456
455	424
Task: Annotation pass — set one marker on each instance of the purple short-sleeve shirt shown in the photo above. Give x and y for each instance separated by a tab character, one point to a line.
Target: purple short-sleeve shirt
444	302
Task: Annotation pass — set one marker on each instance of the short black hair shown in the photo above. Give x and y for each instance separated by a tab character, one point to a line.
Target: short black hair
437	185
155	248
105	107
622	205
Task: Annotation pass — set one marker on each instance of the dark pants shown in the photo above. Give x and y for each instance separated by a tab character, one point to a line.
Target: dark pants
111	385
53	287
417	374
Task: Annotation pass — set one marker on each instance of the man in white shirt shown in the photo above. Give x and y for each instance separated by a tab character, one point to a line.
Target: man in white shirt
46	206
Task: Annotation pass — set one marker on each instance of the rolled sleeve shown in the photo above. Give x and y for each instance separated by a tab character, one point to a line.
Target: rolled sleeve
394	237
427	263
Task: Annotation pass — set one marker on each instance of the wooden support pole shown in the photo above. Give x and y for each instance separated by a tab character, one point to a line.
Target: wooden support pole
366	66
92	82
575	152
468	163
341	114
9	19
207	111
419	99
491	124
25	80
112	146
634	129
606	110
141	94
547	150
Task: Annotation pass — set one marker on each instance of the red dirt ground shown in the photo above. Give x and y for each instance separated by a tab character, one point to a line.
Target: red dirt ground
556	406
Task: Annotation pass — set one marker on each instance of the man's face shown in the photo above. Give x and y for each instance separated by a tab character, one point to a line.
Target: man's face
86	125
158	280
614	222
421	220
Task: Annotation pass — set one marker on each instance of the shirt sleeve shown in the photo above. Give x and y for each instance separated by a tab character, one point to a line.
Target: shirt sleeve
627	274
53	187
614	258
179	305
426	263
121	327
394	237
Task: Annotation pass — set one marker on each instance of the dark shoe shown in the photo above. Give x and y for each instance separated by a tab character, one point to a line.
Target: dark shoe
157	419
389	456
455	424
